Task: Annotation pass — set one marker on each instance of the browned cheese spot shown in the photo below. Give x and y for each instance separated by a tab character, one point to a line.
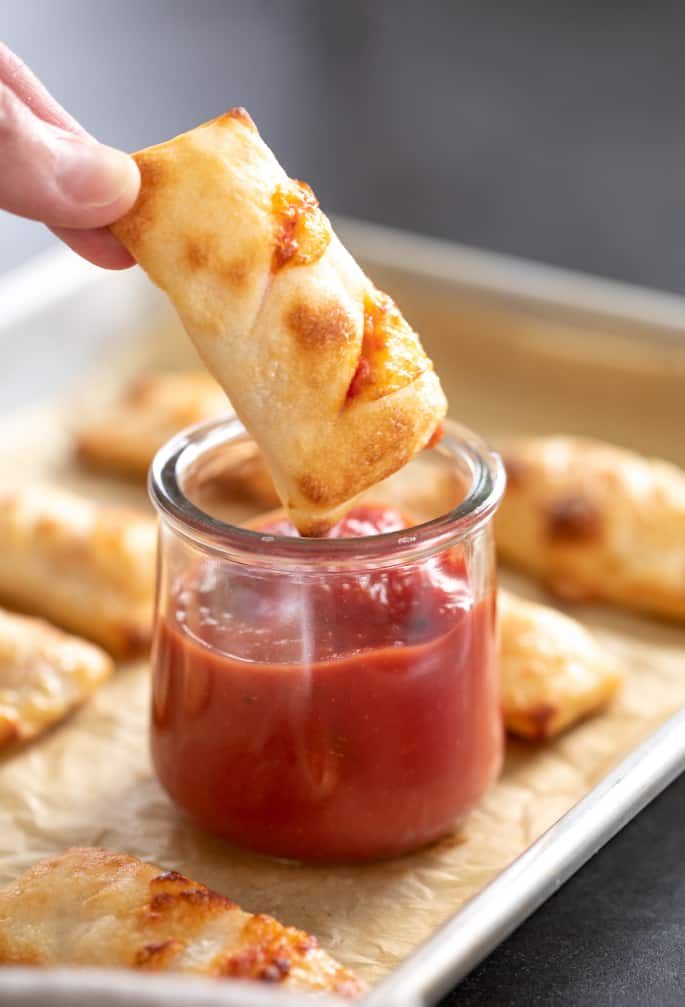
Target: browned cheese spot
302	232
133	639
268	951
196	254
10	732
157	955
201	253
174	898
320	326
140	391
393	439
540	718
239	965
236	272
169	876
573	518
312	489
391	354
275	971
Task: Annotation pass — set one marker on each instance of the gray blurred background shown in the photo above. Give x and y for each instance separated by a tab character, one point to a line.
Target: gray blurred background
552	131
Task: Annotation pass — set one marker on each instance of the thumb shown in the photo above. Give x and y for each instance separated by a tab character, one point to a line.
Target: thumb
60	178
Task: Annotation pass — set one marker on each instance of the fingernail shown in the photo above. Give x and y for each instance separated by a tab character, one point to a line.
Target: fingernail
93	175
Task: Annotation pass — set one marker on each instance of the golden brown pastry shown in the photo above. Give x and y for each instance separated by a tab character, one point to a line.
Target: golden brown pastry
552	671
151	410
593	521
92	907
320	366
44	673
87	568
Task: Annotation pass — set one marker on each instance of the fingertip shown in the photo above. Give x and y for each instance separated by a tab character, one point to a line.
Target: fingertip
97	245
130	181
99	182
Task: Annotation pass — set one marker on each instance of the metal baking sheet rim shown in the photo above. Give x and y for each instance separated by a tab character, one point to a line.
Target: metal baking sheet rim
489	917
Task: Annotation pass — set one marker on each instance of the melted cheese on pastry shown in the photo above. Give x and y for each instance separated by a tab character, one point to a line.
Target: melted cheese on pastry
552	671
127	436
44	673
92	907
593	521
321	367
87	568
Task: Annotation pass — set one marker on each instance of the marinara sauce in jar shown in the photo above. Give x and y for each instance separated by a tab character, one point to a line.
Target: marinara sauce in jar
329	699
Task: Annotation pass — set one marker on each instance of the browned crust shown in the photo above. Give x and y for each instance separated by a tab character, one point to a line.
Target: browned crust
391	440
157	956
553	672
536	724
239	113
92	907
320	326
87	568
11	731
44	675
573	518
124	436
595	522
293	328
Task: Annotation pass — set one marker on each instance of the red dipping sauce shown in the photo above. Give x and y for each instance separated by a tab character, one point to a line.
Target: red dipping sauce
342	717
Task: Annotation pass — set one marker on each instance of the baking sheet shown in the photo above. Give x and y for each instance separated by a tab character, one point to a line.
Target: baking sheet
506	369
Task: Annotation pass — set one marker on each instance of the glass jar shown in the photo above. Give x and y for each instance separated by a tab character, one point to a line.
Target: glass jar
329	699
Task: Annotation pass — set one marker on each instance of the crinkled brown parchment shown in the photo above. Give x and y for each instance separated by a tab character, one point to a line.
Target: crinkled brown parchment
89	780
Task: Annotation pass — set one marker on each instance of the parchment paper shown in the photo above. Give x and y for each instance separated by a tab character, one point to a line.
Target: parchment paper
89	780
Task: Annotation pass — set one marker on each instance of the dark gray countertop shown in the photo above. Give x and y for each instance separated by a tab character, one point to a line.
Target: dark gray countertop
553	131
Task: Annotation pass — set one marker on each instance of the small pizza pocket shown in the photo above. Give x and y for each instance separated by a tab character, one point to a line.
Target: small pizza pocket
593	521
44	673
154	407
90	907
125	438
321	366
552	671
85	567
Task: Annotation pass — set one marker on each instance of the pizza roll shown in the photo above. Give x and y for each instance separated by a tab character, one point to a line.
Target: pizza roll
44	673
85	567
552	671
151	410
96	908
321	367
593	521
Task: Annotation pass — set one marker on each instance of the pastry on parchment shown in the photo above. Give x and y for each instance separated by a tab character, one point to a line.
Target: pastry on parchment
87	568
154	407
552	670
321	366
593	521
44	673
151	410
91	907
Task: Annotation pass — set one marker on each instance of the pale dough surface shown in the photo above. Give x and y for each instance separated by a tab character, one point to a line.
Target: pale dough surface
44	673
322	368
594	521
101	908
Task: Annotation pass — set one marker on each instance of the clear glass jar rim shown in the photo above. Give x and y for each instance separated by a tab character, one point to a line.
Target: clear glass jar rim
177	455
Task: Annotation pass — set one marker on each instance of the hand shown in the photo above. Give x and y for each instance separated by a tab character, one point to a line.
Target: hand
53	171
